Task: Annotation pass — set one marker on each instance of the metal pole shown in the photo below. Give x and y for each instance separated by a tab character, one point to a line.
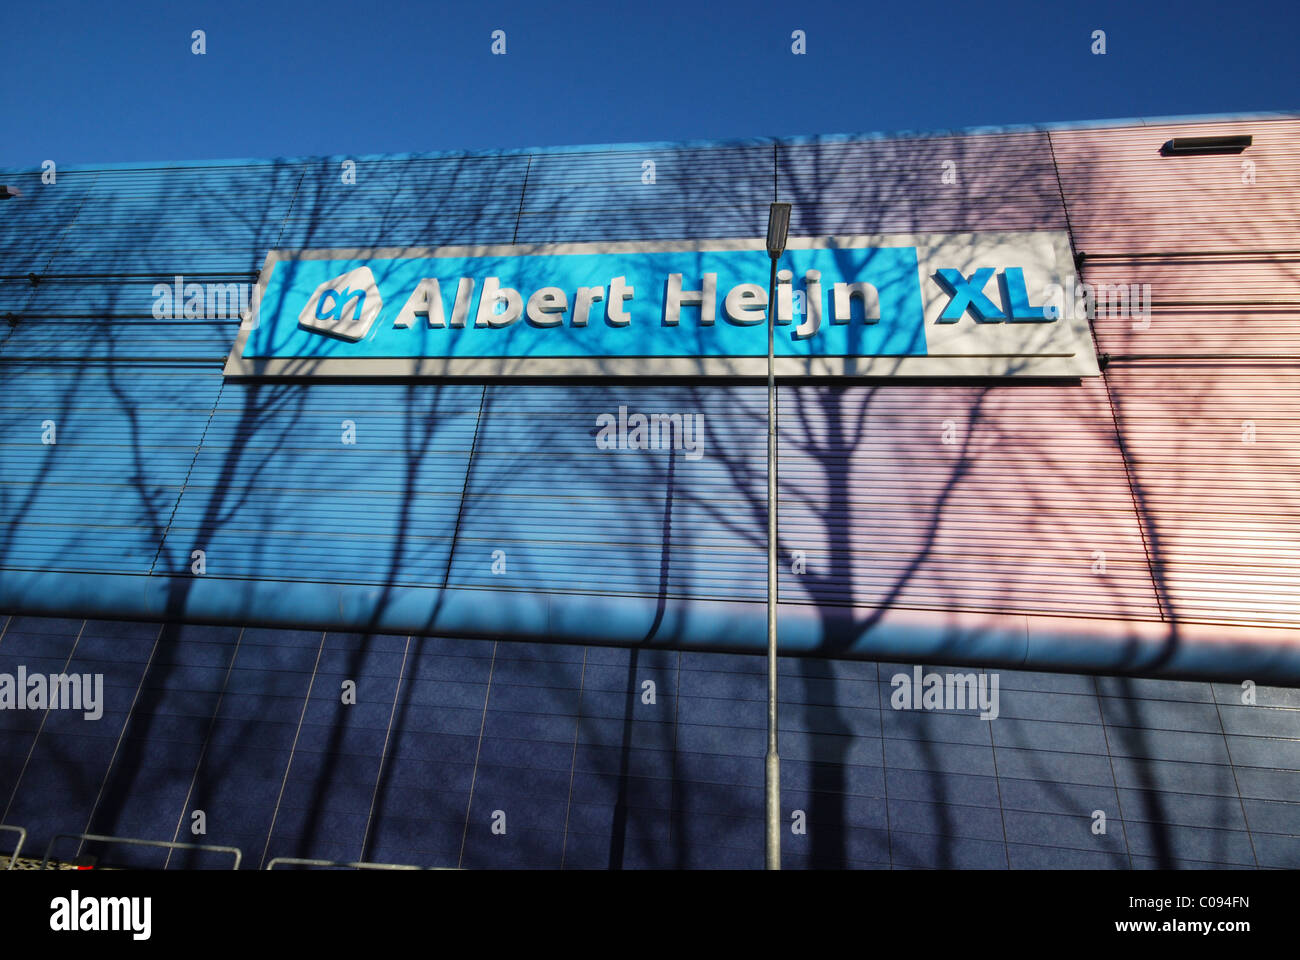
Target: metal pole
773	760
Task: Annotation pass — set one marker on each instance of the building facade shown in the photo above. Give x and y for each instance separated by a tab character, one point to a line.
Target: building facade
444	621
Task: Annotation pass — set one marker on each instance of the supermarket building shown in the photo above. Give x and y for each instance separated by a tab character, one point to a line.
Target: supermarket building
411	509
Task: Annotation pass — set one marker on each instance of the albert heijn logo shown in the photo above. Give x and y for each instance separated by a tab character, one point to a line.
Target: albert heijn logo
967	294
344	307
348	305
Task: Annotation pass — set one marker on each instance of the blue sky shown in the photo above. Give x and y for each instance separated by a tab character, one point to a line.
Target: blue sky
117	81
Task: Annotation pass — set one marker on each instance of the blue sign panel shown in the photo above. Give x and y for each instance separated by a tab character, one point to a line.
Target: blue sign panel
613	325
695	307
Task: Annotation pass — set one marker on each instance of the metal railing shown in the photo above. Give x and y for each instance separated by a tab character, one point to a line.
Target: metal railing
167	844
22	838
357	865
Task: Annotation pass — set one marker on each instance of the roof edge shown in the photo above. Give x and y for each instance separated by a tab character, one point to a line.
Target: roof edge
625	147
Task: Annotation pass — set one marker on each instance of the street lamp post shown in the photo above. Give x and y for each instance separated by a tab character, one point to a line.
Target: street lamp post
778	227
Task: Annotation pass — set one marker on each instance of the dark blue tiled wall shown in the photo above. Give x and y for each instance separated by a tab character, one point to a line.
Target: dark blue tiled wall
588	766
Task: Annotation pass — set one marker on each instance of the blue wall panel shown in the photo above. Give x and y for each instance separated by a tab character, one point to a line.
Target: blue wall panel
177	220
278	488
36	225
402	202
100	496
700	192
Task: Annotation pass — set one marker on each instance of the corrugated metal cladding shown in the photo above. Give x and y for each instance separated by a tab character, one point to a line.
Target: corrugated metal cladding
1206	396
1163	493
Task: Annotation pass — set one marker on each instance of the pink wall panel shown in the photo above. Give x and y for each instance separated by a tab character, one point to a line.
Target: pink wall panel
1215	453
1008	517
1124	197
1211	431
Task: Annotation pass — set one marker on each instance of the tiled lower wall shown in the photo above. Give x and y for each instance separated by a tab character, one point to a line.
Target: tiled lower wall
584	765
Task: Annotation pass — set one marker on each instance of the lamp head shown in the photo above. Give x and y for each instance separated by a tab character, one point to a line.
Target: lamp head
778	228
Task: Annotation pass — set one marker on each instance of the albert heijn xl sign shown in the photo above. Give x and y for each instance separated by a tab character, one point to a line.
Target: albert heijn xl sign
978	304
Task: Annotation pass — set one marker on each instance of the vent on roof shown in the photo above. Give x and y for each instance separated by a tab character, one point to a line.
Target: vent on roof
1191	146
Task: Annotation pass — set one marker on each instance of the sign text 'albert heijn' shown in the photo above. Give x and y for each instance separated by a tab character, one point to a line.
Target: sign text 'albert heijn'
932	305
